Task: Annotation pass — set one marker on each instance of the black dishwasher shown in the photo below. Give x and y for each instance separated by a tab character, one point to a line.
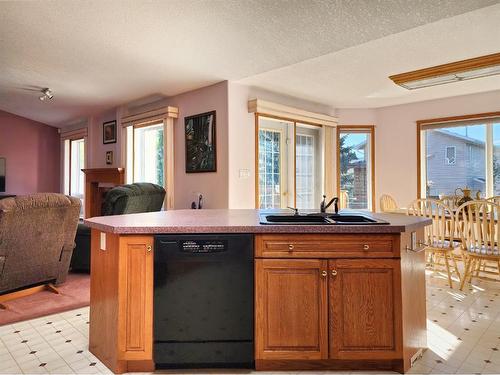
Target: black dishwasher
203	301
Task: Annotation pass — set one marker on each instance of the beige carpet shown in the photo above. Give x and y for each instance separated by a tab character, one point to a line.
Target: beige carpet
74	293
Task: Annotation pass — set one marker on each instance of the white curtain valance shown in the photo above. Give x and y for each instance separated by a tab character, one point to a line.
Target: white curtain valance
269	108
73	134
150	116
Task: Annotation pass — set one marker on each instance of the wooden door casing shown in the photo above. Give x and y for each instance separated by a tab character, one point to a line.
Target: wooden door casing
365	309
291	309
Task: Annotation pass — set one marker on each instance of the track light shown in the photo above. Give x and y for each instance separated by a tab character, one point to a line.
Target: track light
47	94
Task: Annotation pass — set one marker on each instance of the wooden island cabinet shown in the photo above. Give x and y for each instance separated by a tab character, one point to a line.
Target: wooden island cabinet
335	302
336	297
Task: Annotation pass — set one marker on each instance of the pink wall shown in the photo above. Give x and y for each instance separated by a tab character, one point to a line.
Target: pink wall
32	150
213	185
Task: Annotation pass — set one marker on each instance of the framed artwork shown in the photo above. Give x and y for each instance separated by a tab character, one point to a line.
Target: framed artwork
201	149
109	132
109	157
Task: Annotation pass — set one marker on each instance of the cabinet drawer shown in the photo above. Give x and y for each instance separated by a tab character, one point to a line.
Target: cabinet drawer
327	246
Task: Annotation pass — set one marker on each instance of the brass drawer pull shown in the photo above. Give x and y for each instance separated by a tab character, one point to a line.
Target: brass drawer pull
324	273
149	248
366	247
334	272
290	247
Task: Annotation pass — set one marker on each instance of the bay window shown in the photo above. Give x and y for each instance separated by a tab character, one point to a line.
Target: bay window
457	154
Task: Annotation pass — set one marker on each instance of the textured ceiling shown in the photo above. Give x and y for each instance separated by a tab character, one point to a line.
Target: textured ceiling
97	54
358	76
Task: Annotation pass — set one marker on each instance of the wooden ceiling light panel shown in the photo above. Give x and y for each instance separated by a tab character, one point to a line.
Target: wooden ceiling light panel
447	73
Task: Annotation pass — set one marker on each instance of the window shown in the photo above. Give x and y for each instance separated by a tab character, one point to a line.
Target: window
308	163
471	150
270	168
450	155
289	164
355	150
74	162
148	153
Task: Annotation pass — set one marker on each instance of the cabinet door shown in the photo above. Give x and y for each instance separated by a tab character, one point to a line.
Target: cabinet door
135	334
365	305
291	309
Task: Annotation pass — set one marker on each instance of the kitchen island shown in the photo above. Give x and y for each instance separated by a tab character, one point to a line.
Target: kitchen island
326	296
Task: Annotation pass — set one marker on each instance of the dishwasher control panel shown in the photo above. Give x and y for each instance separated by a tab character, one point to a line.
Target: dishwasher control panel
203	246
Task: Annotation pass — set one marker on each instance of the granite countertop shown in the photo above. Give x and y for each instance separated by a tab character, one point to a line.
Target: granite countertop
238	221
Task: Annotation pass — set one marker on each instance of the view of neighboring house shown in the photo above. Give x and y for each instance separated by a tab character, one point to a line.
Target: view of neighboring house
454	161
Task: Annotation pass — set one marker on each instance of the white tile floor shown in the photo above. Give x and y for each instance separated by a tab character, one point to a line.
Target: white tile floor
463	336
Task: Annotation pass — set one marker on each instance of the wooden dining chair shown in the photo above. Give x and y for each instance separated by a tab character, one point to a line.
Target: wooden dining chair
439	236
494	199
480	237
449	200
388	203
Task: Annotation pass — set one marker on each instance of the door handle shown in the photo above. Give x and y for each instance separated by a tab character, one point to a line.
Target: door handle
324	273
334	272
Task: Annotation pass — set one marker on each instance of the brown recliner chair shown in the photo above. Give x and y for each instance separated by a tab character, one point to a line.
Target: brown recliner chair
37	237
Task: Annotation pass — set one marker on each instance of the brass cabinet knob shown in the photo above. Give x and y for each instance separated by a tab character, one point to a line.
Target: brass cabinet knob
290	247
334	272
366	247
149	248
324	273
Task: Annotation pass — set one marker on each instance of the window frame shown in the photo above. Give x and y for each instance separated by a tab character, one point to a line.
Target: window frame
66	139
363	129
256	156
282	162
140	126
421	127
447	160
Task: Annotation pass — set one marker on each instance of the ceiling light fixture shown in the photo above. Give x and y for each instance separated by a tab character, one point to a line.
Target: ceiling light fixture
47	94
477	67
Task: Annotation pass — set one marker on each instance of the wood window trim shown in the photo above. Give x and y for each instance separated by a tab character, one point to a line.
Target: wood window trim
294	122
420	127
168	156
370	129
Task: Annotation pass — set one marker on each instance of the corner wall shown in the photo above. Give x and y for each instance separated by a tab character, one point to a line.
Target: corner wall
32	153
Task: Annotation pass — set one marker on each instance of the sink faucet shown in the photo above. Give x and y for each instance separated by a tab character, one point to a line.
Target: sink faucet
295	210
323	206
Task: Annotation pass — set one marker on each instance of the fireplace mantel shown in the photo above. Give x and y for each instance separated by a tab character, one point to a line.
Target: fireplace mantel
94	178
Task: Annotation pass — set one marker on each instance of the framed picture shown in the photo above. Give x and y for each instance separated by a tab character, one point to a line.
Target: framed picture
109	132
109	157
201	155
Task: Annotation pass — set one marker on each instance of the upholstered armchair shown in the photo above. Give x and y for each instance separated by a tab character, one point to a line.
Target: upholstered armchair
37	237
125	199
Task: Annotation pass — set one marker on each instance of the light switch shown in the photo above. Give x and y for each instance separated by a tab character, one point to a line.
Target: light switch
103	241
244	173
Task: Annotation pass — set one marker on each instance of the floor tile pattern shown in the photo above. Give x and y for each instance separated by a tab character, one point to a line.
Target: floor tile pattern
463	337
